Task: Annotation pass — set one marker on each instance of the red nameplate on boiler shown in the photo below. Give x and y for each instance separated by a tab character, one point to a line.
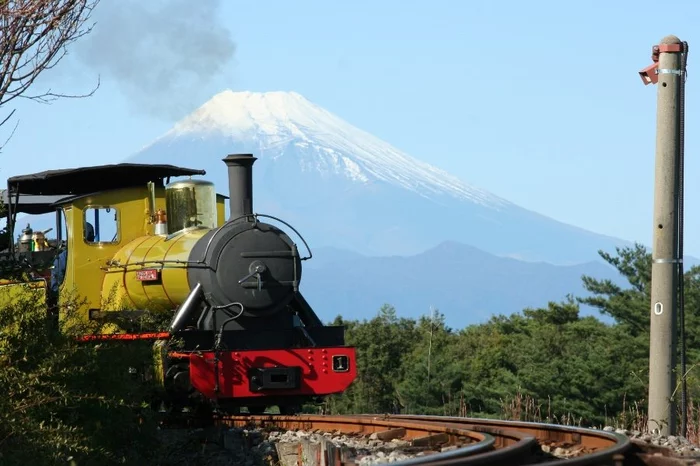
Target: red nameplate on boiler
147	275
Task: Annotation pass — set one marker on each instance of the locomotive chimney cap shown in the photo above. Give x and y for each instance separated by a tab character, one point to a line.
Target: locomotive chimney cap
237	159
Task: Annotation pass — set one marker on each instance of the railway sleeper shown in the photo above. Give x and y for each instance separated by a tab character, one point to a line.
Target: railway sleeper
390	434
431	440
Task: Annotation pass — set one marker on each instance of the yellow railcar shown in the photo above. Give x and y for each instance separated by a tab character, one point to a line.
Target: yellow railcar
128	241
107	207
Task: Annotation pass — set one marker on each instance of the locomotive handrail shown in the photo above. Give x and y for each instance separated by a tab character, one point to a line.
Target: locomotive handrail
255	215
293	229
162	262
203	261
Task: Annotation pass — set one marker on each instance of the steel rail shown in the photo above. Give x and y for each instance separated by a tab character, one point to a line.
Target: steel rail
512	447
492	446
479	441
611	448
421	433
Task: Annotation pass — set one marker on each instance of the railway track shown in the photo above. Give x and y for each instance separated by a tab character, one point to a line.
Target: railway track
450	441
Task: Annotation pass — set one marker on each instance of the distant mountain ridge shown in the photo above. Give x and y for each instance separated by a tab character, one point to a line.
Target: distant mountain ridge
468	285
342	187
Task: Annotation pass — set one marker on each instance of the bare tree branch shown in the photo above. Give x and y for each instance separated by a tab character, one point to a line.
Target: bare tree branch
13	129
12	133
34	35
7	117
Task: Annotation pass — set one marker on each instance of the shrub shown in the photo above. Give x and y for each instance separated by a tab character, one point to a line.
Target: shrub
65	402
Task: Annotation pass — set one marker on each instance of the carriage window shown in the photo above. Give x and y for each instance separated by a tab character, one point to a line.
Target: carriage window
101	225
61	228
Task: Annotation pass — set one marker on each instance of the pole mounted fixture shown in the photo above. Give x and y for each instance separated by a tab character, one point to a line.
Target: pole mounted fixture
650	74
667	291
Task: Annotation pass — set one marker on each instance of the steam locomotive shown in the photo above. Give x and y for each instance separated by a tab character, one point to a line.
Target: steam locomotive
136	242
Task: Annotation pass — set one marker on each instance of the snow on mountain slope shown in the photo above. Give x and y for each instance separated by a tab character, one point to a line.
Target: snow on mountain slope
345	188
274	119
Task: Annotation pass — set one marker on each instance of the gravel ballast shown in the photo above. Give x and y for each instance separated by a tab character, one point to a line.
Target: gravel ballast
680	445
254	447
215	446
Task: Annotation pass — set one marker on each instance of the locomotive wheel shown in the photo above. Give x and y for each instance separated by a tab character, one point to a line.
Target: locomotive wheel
228	408
256	410
290	410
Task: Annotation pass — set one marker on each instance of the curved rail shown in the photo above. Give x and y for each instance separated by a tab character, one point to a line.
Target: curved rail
602	447
473	441
421	434
475	446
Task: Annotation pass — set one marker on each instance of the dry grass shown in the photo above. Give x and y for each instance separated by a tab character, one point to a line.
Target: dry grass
523	407
633	416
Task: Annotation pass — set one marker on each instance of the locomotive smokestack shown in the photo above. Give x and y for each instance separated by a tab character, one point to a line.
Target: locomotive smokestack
240	184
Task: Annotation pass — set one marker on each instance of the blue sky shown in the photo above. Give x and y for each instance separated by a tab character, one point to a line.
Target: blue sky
538	102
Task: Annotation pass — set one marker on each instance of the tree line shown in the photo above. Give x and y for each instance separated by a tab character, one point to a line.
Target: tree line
549	364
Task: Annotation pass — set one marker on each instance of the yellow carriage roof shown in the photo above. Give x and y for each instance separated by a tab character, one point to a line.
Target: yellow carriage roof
38	193
85	180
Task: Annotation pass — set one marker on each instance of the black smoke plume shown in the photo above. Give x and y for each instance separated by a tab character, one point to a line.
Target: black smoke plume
162	54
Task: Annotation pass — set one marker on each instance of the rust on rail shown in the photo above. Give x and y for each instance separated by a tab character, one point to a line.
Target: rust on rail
451	441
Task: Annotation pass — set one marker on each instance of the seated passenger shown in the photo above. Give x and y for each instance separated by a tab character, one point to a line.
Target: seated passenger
58	271
89	232
59	265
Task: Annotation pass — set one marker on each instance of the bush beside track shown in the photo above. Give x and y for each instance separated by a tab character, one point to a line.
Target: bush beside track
68	403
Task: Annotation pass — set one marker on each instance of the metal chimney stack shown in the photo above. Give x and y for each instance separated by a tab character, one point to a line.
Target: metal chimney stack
240	184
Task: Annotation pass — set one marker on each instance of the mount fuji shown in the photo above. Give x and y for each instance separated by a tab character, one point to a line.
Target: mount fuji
383	226
344	188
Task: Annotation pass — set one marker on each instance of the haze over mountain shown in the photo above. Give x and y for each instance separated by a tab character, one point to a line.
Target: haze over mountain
345	188
466	284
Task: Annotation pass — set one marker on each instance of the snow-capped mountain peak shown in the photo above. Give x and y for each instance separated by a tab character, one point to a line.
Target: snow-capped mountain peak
345	188
329	144
239	113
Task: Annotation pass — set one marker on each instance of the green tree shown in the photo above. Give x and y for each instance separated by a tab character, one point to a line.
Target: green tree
628	306
382	344
486	364
432	380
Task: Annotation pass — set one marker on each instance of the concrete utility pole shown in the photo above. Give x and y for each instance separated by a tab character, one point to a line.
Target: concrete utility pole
668	73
